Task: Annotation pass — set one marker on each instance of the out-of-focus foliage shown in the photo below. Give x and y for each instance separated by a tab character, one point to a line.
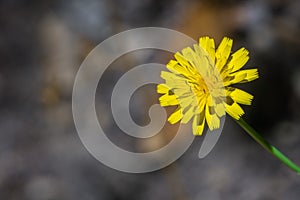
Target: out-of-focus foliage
42	44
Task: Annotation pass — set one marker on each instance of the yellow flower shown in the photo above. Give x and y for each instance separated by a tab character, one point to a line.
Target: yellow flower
199	84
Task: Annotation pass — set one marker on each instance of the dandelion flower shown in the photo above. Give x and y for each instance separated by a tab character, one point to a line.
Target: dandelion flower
200	82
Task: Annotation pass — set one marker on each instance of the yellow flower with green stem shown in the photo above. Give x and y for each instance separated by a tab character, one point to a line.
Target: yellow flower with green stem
201	82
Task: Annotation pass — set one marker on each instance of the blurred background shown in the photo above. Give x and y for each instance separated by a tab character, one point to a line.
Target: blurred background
42	44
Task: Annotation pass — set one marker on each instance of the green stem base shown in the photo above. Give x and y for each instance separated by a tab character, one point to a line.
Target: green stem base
273	150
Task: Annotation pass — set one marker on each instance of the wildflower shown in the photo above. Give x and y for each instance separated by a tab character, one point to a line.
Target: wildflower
200	83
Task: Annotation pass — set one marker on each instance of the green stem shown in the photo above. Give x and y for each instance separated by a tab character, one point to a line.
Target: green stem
273	150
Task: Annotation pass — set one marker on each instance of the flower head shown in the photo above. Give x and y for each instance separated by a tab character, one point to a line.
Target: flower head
199	83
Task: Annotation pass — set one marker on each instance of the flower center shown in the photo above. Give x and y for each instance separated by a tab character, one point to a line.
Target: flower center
208	86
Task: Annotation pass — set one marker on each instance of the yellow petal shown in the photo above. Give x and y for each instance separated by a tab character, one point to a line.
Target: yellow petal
186	101
241	96
188	53
238	59
170	76
241	76
175	116
201	124
162	89
195	124
183	92
176	68
187	116
203	61
178	84
223	52
183	61
168	100
208	44
171	64
220	109
234	110
201	104
212	119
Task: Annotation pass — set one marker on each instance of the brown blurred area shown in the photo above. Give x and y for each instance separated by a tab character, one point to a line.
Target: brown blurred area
43	43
